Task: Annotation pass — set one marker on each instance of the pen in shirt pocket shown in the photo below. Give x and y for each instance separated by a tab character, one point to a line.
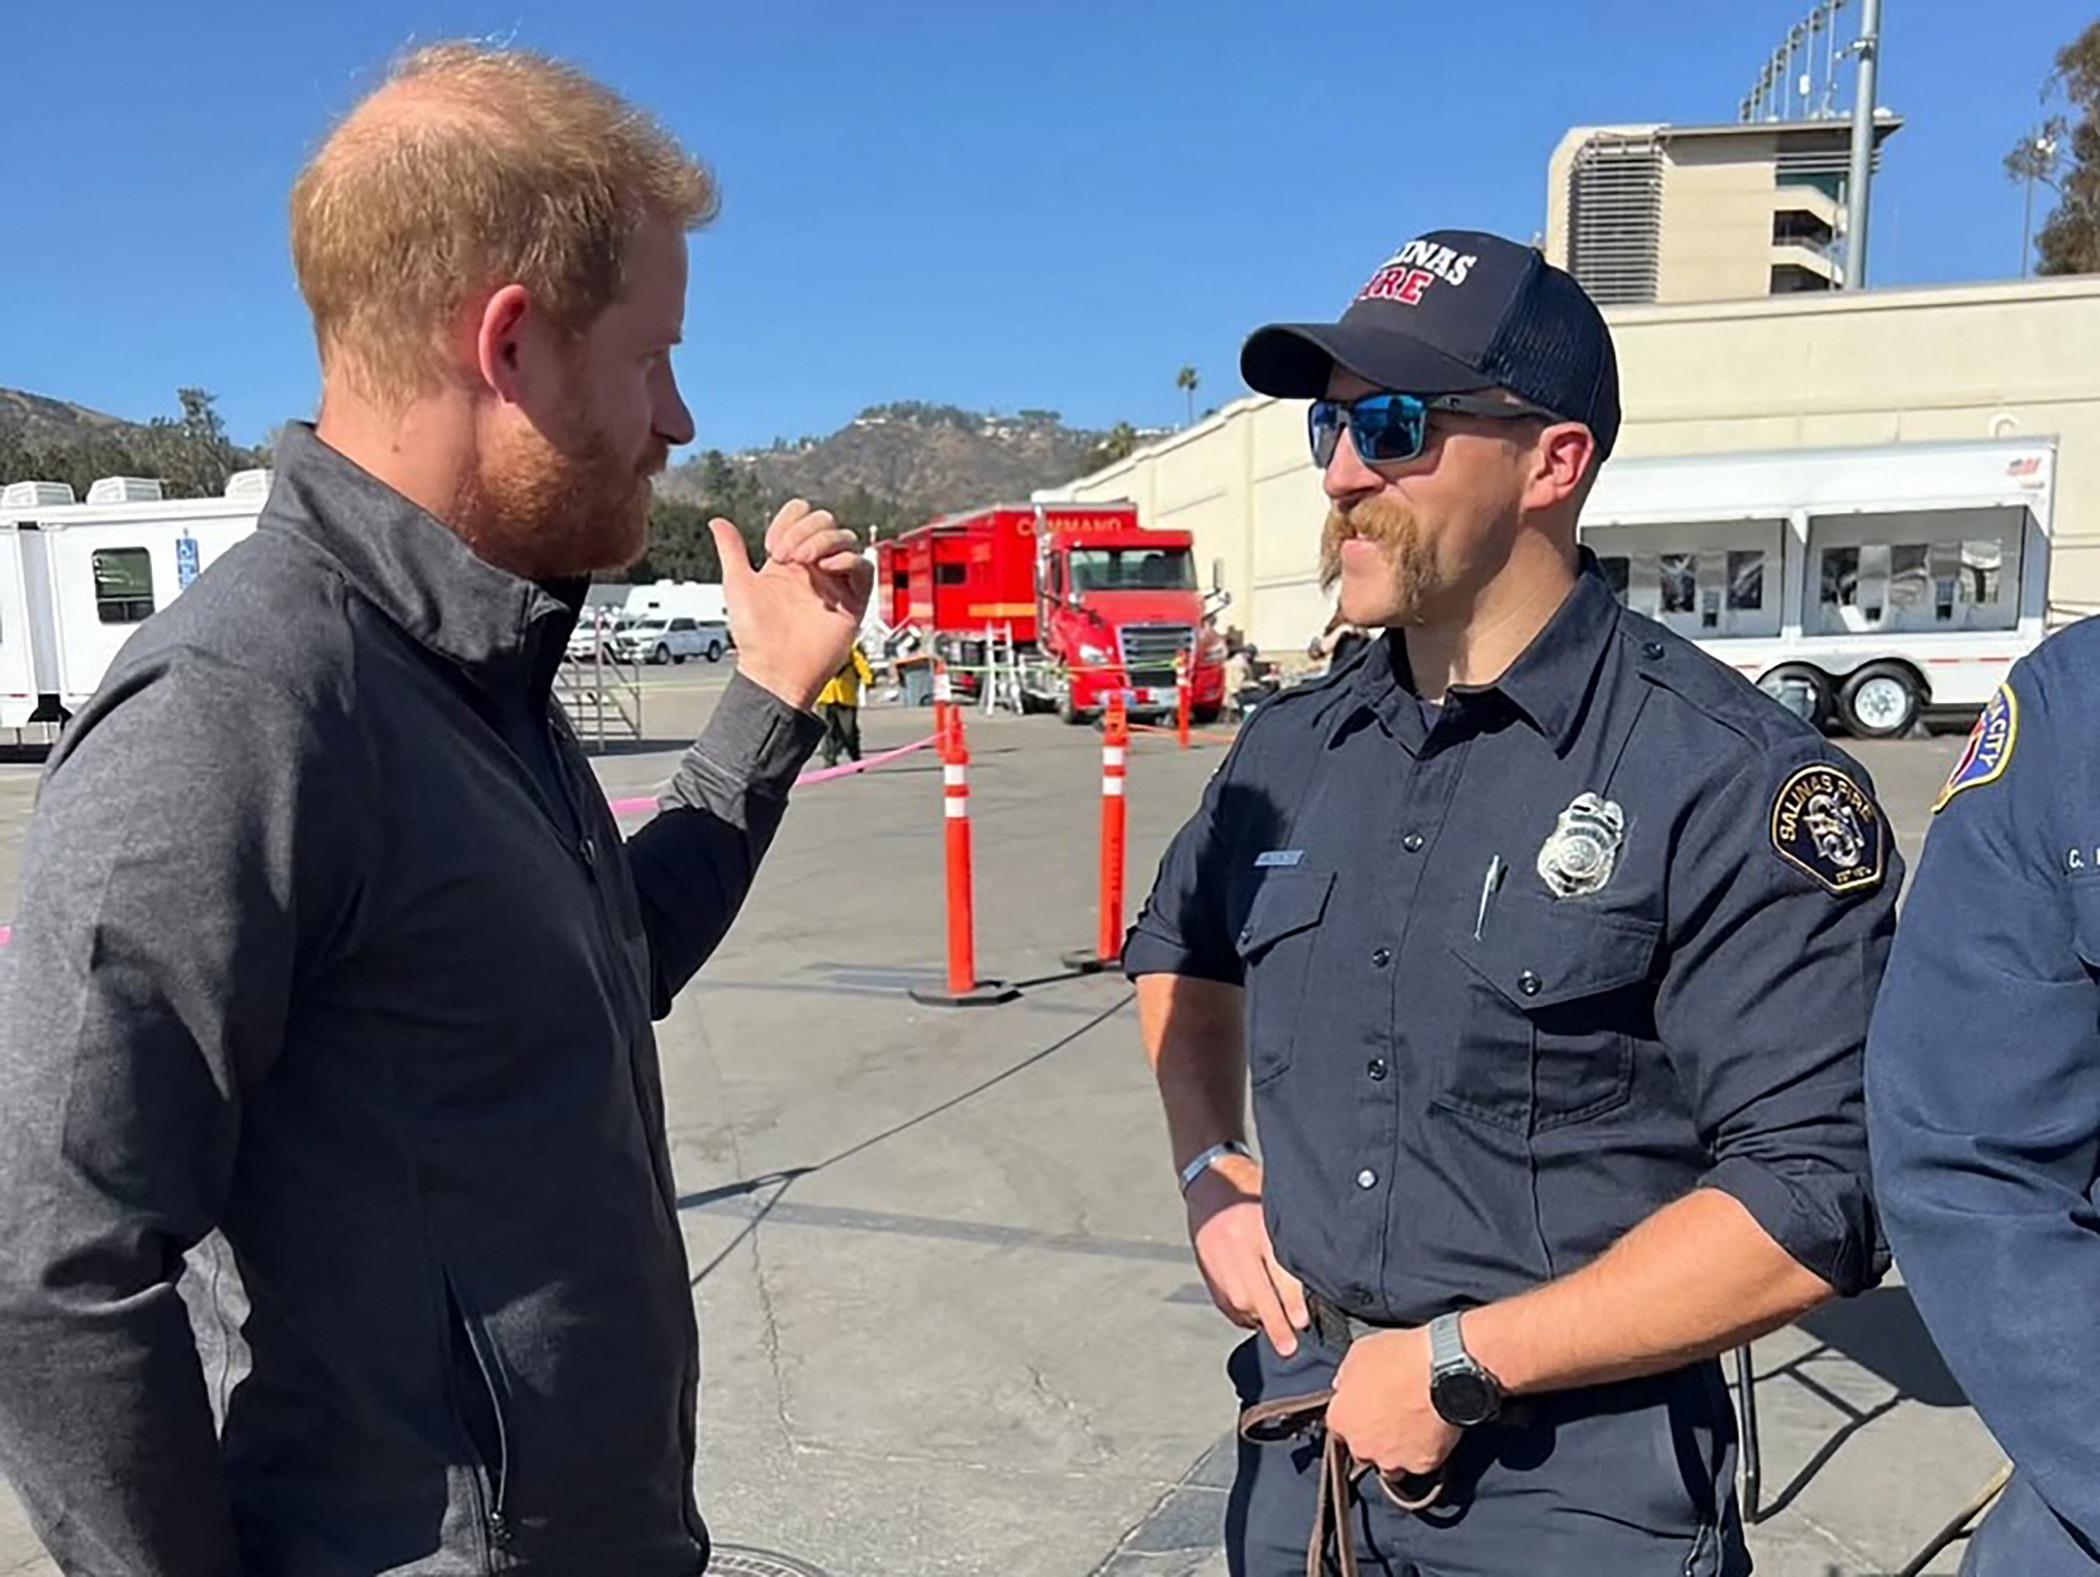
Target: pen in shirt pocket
1488	884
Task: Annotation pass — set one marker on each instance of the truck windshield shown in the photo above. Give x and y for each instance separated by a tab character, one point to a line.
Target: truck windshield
1132	569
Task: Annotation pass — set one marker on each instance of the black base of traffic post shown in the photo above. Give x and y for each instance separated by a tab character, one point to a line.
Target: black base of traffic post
985	994
1085	961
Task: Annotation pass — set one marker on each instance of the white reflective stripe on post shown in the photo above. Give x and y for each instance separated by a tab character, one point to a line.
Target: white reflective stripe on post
958	807
1112	755
955	774
1112	787
943	688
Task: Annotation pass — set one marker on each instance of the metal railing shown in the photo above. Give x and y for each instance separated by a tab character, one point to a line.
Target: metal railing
601	695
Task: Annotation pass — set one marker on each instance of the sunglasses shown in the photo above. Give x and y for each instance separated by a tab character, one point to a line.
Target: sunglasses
1389	428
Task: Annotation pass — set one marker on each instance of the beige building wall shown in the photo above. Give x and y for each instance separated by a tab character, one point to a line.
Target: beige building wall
1717	220
1778	373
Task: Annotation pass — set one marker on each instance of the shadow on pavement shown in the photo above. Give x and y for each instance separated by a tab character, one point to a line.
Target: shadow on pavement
1879	1331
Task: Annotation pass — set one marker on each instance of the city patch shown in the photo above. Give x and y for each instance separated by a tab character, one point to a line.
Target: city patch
1989	749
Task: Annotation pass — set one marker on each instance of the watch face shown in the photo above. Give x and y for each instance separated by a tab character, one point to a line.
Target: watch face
1463	1398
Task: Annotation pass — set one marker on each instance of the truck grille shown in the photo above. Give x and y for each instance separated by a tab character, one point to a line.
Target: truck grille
1149	651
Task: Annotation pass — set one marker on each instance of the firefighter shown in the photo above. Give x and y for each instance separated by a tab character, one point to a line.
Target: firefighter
1983	1098
838	704
1548	943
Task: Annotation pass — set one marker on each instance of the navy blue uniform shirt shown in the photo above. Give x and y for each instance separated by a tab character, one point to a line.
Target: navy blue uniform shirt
1984	1094
1471	1073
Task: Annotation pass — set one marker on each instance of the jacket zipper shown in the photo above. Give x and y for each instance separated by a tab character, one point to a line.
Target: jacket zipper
494	1477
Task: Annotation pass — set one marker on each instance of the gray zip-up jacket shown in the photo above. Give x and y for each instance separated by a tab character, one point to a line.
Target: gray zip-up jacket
327	947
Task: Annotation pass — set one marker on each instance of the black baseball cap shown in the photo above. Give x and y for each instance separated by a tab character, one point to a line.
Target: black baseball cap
1452	312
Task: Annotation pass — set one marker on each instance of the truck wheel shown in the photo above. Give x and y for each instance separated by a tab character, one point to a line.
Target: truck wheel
661	655
678	659
1069	712
1881	701
1797	685
714	651
1204	716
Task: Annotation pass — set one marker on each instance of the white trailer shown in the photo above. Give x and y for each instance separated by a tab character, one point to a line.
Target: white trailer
681	599
1866	586
76	579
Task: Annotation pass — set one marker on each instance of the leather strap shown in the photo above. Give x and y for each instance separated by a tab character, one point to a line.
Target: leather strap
1289	1418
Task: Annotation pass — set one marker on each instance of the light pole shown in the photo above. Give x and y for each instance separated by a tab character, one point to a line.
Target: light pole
1869	49
2037	154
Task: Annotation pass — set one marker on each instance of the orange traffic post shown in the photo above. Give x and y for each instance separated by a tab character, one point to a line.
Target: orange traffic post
1107	951
963	988
1181	698
943	706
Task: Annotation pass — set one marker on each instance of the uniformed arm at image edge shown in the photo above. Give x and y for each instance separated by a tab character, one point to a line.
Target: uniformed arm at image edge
1983	1082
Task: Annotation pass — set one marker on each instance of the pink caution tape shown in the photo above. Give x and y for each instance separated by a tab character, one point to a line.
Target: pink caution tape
645	806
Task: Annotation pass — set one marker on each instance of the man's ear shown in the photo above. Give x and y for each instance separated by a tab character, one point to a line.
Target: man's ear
499	336
1561	460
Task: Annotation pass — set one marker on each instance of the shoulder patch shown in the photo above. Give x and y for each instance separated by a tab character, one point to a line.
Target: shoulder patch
1989	750
1823	823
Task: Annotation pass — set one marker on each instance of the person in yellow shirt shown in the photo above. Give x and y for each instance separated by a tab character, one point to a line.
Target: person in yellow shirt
838	705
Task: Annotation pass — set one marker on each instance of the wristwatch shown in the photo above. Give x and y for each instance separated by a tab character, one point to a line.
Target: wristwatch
1210	1158
1463	1393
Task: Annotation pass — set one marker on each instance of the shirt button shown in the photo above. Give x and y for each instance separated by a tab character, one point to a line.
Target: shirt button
1652	650
1367	1178
1246	935
1375	1068
1412	843
1529	984
1381	958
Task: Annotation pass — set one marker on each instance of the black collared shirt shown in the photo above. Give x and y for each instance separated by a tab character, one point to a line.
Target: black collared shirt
1607	932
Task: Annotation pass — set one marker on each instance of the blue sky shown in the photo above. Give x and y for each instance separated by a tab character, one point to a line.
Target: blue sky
993	203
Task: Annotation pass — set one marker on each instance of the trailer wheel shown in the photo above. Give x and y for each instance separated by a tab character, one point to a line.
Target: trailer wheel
1799	678
1204	716
714	651
1070	712
1881	701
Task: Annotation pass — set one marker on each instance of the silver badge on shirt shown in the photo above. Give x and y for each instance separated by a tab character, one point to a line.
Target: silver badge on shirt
1579	856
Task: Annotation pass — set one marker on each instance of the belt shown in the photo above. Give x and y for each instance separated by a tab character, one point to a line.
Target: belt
1305	1417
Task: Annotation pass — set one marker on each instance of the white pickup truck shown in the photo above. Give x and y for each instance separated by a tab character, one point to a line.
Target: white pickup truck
670	640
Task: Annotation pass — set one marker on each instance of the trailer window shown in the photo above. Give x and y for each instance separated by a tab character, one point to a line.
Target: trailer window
950	574
1679	574
123	585
1746	581
1840	577
1133	569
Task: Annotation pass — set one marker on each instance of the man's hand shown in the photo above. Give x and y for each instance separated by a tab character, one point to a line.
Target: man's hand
1381	1408
795	620
1238	1263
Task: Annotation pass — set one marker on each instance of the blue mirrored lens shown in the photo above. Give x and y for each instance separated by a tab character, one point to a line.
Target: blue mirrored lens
1385	428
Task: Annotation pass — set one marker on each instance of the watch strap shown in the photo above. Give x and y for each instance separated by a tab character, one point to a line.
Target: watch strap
1447	1346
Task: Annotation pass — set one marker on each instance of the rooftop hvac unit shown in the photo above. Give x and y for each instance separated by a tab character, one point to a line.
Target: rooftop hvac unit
125	490
35	495
249	484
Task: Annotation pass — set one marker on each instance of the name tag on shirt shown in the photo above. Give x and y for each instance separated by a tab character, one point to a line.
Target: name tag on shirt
1271	858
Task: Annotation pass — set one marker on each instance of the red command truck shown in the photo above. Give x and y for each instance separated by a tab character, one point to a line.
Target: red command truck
1092	602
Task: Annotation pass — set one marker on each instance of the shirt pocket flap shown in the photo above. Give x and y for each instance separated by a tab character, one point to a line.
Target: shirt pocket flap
1539	951
1287	902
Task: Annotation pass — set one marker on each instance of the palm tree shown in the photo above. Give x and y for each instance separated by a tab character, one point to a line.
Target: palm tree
1185	380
